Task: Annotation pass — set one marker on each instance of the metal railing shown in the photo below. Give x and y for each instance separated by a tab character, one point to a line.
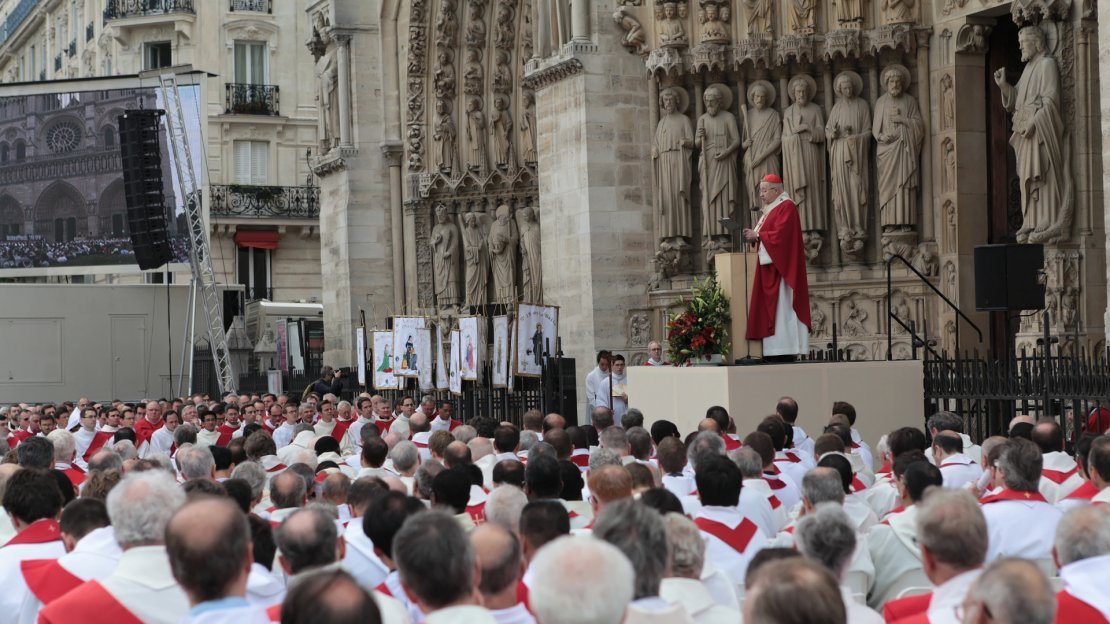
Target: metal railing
15	18
121	9
265	202
893	318
258	6
250	99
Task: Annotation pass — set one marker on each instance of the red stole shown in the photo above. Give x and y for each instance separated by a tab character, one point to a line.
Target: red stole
143	431
19	435
775	502
1087	491
38	532
582	461
1013	495
100	438
790	457
737	539
340	430
383	426
76	475
89	603
908	607
226	432
885	470
774	482
477	512
730	443
781	236
47	579
277	468
383	588
1070	609
274	613
1058	476
857	485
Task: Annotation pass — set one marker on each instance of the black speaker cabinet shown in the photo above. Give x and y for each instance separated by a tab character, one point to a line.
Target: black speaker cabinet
560	392
1008	277
141	156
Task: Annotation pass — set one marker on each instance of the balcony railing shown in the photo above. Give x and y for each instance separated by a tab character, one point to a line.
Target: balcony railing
250	99
15	18
122	9
265	202
258	6
89	32
72	49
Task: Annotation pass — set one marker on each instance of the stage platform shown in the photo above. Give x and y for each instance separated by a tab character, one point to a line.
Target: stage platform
887	395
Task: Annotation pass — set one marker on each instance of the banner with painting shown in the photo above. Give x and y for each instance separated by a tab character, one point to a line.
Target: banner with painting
470	331
442	381
384	379
406	358
537	330
500	351
454	367
424	359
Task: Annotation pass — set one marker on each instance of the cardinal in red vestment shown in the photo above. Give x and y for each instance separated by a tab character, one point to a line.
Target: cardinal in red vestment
779	310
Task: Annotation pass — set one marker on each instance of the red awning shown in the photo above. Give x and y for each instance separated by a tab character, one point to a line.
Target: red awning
262	239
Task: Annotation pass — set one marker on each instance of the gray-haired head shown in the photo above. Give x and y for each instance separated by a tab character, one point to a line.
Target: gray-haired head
184	434
196	462
1083	533
951	526
465	433
823	485
749	462
580	580
686	545
1020	463
827	536
945	421
126	449
424	476
254	474
64	445
616	440
504	506
405	456
528	439
604	457
140	506
638	531
704	442
1013	591
307	538
434	559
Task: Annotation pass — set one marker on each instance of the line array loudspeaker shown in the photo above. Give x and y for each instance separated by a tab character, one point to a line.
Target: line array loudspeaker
141	156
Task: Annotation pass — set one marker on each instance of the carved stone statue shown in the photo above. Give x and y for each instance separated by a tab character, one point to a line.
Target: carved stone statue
476	27
855	320
635	39
718	137
531	275
446	23
502	249
670	152
327	73
476	259
849	13
503	28
672	33
803	16
897	11
528	128
1039	142
803	160
444	74
849	134
445	134
713	27
502	73
947	103
476	135
501	122
473	74
445	259
762	139
899	130
758	17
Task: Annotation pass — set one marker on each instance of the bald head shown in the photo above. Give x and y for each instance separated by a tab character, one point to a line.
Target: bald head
708	424
610	483
308	538
457	455
209	546
554	421
498	554
418	422
288	489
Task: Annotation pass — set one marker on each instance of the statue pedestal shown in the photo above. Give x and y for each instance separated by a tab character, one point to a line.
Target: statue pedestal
735	273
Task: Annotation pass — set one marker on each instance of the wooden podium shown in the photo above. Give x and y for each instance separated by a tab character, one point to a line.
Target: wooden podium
735	274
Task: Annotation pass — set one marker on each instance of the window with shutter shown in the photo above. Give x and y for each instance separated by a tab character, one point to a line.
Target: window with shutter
252	162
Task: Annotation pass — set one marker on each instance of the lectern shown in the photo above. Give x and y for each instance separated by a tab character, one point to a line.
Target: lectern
735	274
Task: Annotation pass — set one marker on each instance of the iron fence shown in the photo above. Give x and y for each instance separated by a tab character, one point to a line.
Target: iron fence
251	99
120	9
263	202
257	6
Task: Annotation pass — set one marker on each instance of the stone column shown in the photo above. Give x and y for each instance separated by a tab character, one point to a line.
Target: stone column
393	152
580	21
344	42
924	100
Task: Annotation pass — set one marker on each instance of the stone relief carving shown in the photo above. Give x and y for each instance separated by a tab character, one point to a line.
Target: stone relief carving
758	17
718	137
671	151
531	274
502	248
844	43
849	135
447	24
1040	142
1034	11
501	122
502	73
327	75
672	32
898	11
972	38
476	26
503	28
477	158
952	5
849	13
901	310
803	160
639	329
476	259
899	130
714	22
818	321
444	74
803	16
445	261
634	38
528	128
947	100
762	139
925	261
948	165
950	226
855	319
445	134
473	73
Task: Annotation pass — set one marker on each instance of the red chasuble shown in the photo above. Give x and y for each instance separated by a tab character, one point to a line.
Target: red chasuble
89	603
1070	609
341	427
98	441
781	236
226	432
47	579
144	429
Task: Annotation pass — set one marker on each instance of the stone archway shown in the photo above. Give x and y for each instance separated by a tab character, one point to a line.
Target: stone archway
112	212
60	213
11	217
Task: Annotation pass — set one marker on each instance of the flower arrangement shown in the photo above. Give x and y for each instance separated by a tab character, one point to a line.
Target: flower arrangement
700	329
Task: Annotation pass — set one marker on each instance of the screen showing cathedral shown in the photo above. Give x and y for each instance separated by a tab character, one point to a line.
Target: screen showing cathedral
62	206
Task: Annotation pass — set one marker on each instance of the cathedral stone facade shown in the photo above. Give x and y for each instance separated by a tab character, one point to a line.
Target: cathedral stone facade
479	153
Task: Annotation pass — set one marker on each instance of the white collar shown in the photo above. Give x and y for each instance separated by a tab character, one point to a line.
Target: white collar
146	565
951	593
